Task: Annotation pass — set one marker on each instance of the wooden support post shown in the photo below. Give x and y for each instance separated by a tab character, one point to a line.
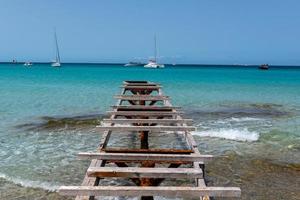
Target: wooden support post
135	180
158	181
145	145
152	103
144	139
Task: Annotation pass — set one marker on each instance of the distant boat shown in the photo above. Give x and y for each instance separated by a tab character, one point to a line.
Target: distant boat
28	64
264	67
56	63
132	64
153	62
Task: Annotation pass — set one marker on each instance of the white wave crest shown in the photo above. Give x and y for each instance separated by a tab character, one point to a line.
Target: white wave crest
230	134
245	119
32	184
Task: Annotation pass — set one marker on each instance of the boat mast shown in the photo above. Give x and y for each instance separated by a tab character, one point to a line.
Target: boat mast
57	50
155	49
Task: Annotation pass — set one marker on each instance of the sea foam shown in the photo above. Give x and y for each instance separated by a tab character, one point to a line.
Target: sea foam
231	134
32	184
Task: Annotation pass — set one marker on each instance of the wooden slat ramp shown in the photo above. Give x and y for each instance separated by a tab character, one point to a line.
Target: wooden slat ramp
142	108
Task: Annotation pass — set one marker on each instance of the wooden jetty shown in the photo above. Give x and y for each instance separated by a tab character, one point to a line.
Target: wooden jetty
143	109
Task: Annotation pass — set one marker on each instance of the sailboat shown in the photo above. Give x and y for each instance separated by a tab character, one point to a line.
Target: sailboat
153	62
28	64
56	63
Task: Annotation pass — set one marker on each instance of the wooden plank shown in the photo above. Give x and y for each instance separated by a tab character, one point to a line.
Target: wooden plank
140	84
143	107
191	141
149	121
144	113
167	191
141	97
146	157
130	82
146	128
135	81
134	172
141	87
156	150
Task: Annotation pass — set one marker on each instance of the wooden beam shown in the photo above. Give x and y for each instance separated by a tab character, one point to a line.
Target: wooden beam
166	191
141	97
144	113
146	157
134	172
135	81
147	121
141	107
141	87
141	84
154	150
146	128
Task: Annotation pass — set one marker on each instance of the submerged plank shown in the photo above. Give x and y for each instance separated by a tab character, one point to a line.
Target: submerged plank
134	172
146	157
167	191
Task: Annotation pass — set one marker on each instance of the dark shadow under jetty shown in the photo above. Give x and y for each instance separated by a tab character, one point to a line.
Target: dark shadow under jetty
62	122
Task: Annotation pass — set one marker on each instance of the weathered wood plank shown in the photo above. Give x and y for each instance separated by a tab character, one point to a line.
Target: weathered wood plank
144	113
166	191
140	84
141	97
129	82
141	107
135	81
146	157
146	128
149	121
154	150
134	172
141	87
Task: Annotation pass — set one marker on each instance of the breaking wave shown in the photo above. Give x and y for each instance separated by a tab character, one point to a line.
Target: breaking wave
32	184
231	134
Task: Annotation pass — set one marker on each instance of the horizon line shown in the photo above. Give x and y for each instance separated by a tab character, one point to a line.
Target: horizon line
122	63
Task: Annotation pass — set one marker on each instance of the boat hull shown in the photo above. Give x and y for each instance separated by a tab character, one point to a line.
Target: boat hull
154	66
55	64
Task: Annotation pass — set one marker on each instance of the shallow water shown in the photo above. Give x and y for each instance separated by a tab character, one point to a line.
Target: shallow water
48	115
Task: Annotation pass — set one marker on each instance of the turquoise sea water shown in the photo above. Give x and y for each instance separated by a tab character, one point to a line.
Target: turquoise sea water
236	109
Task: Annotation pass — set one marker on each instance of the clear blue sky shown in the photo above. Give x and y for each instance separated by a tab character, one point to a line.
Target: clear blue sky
189	31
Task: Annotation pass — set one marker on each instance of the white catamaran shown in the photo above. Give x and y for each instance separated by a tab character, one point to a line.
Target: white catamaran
56	63
153	62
